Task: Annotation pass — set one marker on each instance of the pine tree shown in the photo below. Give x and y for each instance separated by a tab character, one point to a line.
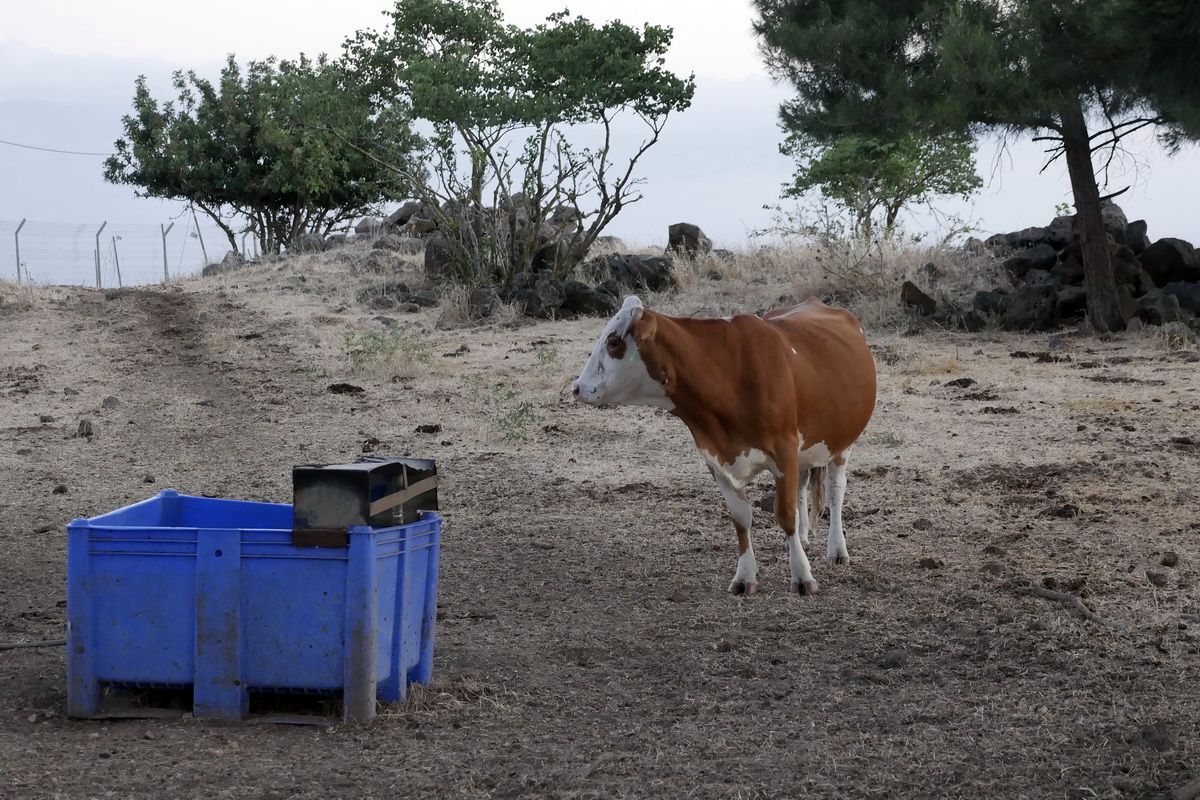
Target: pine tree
1081	74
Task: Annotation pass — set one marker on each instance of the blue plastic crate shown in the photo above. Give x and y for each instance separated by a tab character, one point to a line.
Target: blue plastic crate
179	591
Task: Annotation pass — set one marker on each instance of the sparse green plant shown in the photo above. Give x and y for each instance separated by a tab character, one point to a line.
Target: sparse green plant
547	358
1062	209
513	425
504	413
379	348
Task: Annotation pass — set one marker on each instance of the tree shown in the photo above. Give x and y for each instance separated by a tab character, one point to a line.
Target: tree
1170	69
1074	73
277	150
509	188
871	178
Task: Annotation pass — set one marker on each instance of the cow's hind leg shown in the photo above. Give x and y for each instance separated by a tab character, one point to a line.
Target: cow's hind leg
792	516
835	490
803	519
745	580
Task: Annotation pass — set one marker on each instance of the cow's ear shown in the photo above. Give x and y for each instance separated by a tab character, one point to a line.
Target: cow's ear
644	327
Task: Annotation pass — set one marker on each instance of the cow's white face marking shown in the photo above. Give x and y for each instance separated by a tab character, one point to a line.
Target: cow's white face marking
615	374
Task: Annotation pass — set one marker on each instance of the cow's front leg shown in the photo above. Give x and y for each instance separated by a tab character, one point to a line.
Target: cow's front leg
745	580
794	521
835	489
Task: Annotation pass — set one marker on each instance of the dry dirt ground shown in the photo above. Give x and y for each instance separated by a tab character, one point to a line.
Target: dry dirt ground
586	646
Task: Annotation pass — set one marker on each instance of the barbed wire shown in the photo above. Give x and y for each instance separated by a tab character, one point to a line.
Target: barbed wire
52	150
107	254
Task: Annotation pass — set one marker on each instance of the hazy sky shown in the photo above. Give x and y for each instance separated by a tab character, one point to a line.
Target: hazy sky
67	71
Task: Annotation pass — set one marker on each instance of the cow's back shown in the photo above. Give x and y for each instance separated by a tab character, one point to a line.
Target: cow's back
832	369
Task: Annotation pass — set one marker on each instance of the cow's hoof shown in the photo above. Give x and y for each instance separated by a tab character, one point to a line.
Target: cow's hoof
838	559
808	588
742	587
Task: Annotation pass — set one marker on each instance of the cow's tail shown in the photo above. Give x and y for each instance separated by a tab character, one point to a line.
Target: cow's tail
816	495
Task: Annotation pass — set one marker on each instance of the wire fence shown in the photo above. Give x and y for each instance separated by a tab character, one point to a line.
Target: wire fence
105	254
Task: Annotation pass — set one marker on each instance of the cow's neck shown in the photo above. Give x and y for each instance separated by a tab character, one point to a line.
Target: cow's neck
689	368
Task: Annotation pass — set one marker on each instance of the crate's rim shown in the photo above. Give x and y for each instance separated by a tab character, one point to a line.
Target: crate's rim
427	517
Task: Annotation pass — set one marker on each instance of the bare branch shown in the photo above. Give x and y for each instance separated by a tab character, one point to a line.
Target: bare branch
1114	194
1070	600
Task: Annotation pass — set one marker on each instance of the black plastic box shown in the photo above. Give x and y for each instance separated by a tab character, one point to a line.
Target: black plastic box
376	492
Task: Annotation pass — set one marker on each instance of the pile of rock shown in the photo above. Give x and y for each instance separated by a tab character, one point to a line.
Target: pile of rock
412	229
1157	282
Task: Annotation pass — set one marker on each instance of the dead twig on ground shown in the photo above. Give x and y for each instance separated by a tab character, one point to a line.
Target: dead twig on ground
48	643
1073	601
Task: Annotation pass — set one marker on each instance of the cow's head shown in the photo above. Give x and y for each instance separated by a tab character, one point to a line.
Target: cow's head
616	374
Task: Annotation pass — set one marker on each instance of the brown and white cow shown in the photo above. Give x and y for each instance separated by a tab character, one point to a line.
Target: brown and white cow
788	392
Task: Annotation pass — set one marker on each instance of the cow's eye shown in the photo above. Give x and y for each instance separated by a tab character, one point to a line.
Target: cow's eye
615	346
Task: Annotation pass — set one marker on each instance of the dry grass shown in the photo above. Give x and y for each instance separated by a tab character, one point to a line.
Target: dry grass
865	280
585	645
26	295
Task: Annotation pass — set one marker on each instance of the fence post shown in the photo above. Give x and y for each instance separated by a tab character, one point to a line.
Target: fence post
102	224
199	236
117	261
17	239
165	231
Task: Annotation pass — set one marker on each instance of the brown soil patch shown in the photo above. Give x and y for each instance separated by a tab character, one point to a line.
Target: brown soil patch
586	647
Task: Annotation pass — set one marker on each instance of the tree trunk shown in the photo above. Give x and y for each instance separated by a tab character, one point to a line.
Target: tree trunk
1103	307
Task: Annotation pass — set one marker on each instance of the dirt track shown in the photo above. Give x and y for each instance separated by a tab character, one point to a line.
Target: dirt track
586	646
